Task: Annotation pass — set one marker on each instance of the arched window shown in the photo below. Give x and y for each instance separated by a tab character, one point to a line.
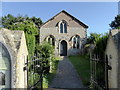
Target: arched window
4	67
76	41
63	26
51	40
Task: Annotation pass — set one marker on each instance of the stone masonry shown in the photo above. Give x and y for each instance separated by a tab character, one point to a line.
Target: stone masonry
74	28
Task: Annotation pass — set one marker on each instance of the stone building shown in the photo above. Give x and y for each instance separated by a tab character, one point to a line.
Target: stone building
113	58
66	33
13	56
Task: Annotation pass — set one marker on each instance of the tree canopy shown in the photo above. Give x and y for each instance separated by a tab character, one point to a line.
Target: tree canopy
99	41
9	20
115	24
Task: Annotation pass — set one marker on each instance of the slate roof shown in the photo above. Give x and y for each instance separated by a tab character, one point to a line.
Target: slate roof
63	11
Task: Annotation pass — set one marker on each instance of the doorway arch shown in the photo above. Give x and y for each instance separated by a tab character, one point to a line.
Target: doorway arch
63	48
5	67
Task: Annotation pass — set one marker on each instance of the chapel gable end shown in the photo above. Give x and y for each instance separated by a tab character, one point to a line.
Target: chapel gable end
70	20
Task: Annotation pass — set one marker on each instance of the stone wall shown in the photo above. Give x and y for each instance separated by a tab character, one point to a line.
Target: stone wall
112	53
21	60
15	43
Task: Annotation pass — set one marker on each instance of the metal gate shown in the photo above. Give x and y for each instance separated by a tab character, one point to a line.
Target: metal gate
34	72
99	73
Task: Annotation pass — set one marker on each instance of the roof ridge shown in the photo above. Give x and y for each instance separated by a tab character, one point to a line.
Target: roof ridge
81	23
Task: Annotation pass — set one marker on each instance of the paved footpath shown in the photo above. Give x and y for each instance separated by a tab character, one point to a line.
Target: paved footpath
66	76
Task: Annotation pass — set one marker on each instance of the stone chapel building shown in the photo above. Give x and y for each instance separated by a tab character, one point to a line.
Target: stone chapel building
13	56
66	33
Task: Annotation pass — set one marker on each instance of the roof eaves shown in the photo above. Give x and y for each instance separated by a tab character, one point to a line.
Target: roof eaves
84	25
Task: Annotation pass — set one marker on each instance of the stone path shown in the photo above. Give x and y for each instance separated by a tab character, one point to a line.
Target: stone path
66	76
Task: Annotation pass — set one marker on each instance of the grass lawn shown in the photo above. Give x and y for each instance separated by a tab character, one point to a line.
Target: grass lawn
82	65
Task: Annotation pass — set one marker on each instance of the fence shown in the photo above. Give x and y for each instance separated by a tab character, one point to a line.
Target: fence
34	72
99	73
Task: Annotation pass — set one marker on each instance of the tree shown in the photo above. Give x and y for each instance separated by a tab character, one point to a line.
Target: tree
99	41
101	46
38	22
116	23
11	20
93	38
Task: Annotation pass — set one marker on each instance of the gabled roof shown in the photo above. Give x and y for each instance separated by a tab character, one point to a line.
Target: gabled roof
63	11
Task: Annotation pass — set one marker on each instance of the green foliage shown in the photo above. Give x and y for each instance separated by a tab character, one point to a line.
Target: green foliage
45	49
30	40
101	46
93	38
116	23
100	42
44	52
38	22
29	25
45	62
9	20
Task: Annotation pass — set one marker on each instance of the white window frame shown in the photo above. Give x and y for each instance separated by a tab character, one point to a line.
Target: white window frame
77	41
63	26
51	40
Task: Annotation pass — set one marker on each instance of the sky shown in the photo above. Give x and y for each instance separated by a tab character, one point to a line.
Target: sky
119	7
97	15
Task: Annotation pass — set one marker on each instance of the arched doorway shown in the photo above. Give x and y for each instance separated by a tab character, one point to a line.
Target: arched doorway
5	74
63	48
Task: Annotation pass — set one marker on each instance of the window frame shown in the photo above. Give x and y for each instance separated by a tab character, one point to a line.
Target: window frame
51	39
63	26
76	42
